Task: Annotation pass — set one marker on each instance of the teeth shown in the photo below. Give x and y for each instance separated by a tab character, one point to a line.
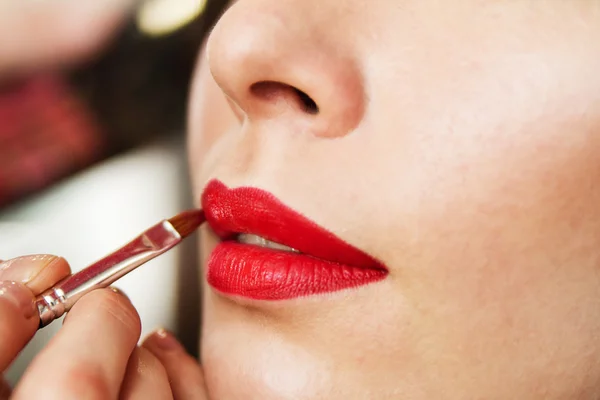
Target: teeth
248	238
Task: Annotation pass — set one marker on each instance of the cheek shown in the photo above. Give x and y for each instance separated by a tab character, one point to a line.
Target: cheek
498	202
210	118
489	164
500	255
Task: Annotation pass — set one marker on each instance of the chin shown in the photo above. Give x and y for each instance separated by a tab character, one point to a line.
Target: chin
241	365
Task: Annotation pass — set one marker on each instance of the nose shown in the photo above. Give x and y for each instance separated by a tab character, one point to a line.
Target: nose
277	62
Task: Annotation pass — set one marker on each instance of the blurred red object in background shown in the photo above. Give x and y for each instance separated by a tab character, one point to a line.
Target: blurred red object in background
46	133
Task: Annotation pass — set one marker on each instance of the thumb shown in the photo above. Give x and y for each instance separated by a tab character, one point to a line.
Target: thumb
18	315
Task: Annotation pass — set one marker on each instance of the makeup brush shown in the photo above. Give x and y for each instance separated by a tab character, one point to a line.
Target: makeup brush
165	235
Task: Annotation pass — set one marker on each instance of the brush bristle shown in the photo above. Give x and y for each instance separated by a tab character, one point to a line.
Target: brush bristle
187	222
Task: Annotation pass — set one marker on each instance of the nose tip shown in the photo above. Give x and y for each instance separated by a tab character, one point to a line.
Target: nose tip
275	66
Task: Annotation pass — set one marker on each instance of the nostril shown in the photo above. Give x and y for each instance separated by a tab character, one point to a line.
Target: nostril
308	104
273	91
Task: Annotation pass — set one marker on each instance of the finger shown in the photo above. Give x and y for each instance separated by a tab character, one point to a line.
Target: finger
18	317
184	372
51	33
18	320
114	289
88	357
38	272
145	378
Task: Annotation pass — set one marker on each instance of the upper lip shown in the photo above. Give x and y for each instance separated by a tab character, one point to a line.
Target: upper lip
249	210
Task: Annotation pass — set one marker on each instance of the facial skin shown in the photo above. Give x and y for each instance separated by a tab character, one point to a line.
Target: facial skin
456	141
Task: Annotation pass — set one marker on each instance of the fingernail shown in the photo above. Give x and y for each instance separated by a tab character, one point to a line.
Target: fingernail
165	340
119	292
25	269
21	297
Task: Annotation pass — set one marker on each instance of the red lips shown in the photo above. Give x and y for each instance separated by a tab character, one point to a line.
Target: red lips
324	263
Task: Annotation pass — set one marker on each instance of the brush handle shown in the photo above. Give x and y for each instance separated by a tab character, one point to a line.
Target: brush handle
59	299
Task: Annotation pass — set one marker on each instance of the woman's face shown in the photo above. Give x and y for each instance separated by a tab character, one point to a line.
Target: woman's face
456	142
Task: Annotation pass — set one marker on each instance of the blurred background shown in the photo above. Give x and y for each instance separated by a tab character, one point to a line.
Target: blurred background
92	146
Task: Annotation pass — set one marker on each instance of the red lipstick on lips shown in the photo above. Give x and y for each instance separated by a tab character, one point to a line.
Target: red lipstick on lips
321	263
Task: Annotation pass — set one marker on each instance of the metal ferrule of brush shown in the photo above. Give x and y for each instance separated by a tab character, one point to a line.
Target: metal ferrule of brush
53	303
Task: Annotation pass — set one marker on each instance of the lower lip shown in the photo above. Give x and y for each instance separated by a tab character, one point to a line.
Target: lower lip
266	274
